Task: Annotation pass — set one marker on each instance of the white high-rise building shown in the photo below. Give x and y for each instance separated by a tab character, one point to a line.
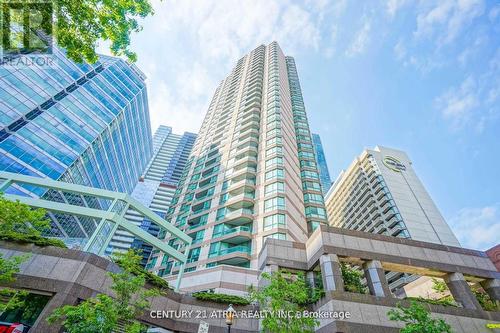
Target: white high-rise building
380	193
156	186
252	174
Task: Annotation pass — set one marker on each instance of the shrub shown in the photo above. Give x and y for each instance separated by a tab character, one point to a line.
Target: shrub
221	298
445	301
32	239
153	279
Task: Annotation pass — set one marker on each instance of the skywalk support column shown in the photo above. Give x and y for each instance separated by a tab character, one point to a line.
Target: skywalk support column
492	287
310	279
270	269
331	272
461	291
375	278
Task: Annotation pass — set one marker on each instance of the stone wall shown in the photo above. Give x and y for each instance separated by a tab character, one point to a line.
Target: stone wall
70	276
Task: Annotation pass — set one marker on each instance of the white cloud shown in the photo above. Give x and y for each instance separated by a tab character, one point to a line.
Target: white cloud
360	41
188	46
457	104
494	12
447	19
400	50
393	6
477	228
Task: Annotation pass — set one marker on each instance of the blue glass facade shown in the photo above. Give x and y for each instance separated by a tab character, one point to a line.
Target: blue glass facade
324	174
80	123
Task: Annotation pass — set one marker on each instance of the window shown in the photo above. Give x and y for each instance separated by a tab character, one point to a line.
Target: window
221	212
274	203
315	186
274	161
313	198
197	236
306	154
223	198
273	132
276	235
194	255
185	208
316	212
274	150
276	140
181	220
276	173
309	174
306	163
274	221
274	188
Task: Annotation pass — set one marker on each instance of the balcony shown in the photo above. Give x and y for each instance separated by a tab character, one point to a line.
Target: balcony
236	235
243	200
251	133
240	186
239	217
240	174
235	255
254	117
254	141
247	161
249	150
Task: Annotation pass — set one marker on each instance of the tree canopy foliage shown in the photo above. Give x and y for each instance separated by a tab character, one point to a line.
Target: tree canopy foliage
103	313
21	223
287	293
417	319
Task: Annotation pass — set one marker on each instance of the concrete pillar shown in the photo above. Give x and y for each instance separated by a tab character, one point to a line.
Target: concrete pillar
58	300
310	279
375	278
492	287
270	269
461	291
331	272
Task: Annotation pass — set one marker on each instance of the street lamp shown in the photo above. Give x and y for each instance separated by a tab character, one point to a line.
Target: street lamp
230	312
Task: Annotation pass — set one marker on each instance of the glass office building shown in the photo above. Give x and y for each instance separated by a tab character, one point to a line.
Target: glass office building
324	174
79	123
156	186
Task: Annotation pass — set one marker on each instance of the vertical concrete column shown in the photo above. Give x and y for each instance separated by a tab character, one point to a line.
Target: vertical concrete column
331	272
58	300
492	287
267	269
461	291
310	279
375	278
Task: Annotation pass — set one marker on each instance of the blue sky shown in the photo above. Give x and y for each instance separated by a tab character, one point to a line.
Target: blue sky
421	76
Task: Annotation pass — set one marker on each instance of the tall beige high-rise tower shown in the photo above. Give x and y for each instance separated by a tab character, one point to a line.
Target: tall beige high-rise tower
251	175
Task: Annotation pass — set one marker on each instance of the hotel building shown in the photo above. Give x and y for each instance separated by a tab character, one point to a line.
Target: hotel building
380	193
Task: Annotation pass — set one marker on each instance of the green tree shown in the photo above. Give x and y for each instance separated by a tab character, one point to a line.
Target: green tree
79	25
482	297
287	293
8	268
101	314
352	279
19	222
82	24
417	319
19	218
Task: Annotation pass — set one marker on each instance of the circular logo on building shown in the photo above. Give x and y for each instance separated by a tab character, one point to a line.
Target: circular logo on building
394	164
